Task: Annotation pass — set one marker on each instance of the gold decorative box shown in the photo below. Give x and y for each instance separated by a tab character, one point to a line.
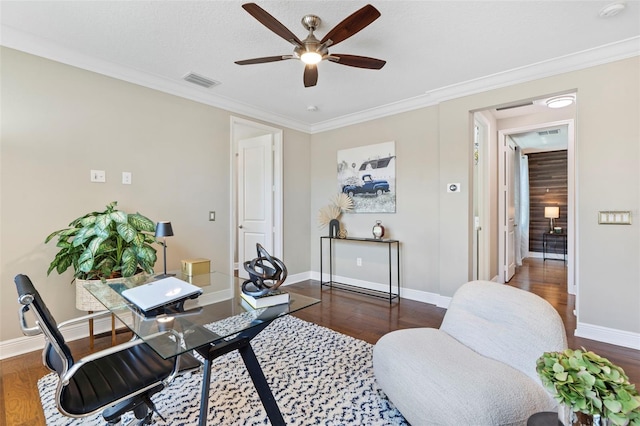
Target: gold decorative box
196	266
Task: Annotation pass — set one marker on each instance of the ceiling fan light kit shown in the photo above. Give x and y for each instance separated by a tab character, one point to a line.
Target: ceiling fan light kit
312	51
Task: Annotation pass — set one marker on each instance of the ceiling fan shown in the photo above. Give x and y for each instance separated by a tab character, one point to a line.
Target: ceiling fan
311	50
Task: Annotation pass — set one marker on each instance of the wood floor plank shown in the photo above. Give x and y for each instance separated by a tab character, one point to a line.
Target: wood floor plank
356	315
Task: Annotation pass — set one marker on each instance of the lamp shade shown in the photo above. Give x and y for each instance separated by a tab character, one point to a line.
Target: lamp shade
549	212
164	229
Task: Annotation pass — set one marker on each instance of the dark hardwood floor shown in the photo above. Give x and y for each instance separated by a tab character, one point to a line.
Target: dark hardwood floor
360	316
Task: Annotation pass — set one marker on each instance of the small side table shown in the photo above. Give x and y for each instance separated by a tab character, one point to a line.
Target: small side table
547	238
546	418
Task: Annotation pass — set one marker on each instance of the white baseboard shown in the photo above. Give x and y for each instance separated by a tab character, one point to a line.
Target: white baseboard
538	255
405	293
612	336
296	278
23	345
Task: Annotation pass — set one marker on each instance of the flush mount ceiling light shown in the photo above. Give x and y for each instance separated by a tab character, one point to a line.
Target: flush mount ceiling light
612	9
560	101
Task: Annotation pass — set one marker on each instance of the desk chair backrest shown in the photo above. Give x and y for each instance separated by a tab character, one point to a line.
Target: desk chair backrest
56	355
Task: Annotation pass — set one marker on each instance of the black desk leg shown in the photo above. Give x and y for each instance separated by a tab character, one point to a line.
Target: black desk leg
204	396
261	385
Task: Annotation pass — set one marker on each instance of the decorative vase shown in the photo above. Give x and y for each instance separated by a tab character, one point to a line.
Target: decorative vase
569	417
334	228
378	230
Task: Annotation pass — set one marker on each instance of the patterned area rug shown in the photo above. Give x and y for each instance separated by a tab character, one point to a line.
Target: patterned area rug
317	376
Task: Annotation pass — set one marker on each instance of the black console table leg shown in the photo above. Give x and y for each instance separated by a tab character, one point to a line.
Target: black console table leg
261	385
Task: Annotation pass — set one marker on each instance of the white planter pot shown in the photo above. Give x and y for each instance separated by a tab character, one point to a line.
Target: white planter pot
85	300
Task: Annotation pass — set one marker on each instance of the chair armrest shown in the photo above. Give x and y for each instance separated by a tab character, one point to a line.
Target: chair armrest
76	320
26	330
106	352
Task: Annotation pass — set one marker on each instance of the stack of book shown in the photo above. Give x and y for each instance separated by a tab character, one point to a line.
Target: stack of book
276	297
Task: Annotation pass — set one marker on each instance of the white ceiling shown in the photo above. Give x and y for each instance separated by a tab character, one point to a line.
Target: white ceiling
434	49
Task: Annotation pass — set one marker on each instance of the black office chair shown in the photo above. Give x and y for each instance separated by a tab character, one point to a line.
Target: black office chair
116	380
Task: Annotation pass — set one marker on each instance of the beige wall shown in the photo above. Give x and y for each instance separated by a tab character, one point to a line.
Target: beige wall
416	220
607	148
59	122
434	147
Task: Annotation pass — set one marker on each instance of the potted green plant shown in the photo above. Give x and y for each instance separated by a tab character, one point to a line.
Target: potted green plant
587	383
104	245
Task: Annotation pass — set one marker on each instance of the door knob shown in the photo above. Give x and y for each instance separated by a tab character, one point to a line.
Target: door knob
240	226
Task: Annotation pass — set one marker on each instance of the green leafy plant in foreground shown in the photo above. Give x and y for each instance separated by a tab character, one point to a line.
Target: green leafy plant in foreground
108	244
590	384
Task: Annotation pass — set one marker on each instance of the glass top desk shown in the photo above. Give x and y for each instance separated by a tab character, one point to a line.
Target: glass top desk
217	322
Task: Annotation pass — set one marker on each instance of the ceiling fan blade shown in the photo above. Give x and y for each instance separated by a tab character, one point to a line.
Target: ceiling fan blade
357	61
310	75
264	60
351	25
272	23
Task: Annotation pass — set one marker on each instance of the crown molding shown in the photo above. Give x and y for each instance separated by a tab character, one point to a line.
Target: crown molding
619	50
588	58
18	40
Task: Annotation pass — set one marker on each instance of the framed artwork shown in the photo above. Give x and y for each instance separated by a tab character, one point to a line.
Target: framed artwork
368	175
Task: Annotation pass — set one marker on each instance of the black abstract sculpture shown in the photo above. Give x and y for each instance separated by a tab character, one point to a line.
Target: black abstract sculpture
266	273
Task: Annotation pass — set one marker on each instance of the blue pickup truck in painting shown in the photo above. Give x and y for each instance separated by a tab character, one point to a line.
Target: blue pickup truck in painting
369	186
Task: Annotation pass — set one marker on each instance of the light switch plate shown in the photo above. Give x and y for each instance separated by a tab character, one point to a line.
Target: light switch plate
614	218
98	176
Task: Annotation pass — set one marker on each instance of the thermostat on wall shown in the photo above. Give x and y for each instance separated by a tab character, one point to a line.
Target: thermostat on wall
453	187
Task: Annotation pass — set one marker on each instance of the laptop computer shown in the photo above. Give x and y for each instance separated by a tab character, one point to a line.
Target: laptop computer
159	293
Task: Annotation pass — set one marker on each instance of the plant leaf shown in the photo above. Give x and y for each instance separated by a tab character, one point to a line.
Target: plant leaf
127	232
118	216
85	261
129	262
141	223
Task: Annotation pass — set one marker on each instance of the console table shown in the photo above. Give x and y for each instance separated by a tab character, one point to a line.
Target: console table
547	238
331	283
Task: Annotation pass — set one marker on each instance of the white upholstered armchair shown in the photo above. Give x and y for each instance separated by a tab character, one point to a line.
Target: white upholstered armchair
479	368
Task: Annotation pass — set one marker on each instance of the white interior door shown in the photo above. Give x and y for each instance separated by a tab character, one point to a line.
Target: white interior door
255	197
509	209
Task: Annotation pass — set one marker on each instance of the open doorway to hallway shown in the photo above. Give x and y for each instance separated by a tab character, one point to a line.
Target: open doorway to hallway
529	127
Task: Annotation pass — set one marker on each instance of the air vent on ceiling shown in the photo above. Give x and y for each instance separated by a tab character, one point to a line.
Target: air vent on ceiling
200	80
514	106
549	132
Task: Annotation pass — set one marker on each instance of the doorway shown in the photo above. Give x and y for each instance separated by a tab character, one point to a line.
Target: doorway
515	117
508	246
257	191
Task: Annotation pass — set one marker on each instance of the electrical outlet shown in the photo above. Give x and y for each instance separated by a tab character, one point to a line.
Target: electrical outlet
359	261
126	178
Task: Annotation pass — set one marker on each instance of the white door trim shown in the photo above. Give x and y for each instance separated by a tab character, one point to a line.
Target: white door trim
240	129
484	205
572	255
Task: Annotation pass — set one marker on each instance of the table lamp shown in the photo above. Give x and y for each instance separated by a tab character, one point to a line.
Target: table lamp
164	229
551	213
